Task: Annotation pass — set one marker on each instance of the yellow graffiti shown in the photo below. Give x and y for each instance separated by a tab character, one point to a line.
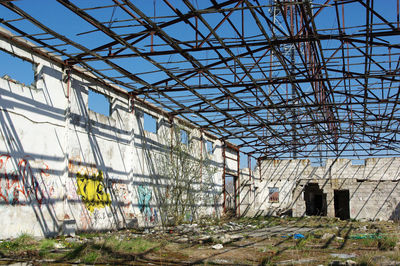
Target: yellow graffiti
91	189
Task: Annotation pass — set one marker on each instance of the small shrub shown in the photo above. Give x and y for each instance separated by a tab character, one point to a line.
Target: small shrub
366	260
91	257
387	243
45	246
136	245
21	243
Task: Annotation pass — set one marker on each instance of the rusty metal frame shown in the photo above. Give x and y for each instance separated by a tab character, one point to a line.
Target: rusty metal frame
279	90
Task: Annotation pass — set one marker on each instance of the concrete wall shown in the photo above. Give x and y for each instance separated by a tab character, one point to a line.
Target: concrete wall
61	163
374	190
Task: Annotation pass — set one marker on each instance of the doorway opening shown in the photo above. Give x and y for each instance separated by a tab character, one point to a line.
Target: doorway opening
315	200
230	194
342	204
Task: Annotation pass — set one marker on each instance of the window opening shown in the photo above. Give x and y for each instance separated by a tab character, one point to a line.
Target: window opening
209	146
17	69
149	123
184	136
99	103
273	194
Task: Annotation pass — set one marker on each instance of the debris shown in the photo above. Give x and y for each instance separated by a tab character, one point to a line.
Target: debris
183	240
218	246
298	236
59	246
295	236
327	236
350	262
343	256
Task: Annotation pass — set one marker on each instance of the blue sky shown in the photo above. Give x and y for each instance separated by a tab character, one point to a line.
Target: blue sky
58	18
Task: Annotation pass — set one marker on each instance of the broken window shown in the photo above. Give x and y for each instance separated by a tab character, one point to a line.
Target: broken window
99	103
273	194
17	70
209	146
184	137
149	123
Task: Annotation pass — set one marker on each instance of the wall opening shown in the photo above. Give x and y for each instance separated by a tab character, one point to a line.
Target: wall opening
17	69
315	200
149	123
184	136
99	103
342	204
209	146
273	195
230	194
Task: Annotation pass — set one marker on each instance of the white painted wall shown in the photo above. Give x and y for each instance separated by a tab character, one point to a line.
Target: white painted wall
373	187
49	137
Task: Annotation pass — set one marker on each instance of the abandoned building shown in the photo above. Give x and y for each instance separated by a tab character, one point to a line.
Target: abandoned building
235	107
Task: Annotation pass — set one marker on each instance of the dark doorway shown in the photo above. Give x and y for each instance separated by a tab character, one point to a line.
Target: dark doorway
315	200
342	204
230	194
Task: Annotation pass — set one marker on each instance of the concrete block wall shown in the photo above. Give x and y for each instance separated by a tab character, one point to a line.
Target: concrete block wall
63	163
374	190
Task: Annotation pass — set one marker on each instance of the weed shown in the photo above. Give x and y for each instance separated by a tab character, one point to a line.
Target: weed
91	257
266	261
45	246
22	243
89	235
136	245
387	243
76	252
366	260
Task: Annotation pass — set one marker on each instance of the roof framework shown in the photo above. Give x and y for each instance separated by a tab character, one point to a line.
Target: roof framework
281	79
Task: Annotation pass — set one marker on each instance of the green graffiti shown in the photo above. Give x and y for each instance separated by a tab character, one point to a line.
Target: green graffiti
91	189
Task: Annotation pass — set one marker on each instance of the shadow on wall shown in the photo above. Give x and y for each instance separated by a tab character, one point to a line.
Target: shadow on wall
28	182
98	169
339	189
395	216
176	187
36	180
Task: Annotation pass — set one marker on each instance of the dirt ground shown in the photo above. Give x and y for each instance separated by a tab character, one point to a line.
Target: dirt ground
260	241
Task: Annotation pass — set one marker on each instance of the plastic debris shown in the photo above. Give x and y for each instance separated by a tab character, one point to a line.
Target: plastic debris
217	246
298	236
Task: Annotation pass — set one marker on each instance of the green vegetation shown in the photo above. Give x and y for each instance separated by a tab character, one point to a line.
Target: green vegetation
24	242
136	245
374	243
387	242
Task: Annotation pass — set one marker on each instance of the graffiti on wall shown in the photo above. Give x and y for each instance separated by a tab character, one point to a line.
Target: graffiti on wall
144	198
19	179
122	195
91	188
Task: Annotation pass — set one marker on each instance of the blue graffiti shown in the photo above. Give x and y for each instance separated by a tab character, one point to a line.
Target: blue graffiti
144	195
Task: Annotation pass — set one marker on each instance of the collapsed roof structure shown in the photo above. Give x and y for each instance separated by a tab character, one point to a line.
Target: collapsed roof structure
281	79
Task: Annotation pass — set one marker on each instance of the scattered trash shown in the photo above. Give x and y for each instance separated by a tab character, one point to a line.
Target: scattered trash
298	236
295	236
218	246
343	256
328	236
351	262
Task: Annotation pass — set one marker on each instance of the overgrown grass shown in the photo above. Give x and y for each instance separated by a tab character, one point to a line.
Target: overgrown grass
387	242
109	249
91	257
135	245
22	243
45	246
